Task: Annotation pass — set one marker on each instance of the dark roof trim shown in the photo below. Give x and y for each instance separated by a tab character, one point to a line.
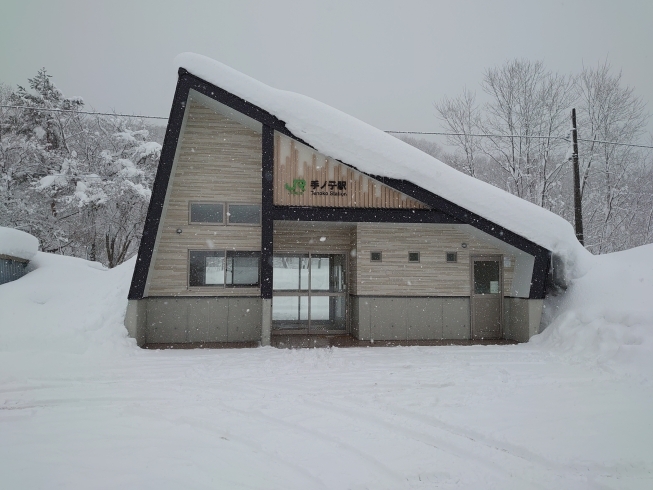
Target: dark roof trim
363	215
237	104
461	214
440	206
159	189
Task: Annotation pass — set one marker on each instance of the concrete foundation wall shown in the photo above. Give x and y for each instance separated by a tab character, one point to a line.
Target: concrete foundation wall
135	318
383	318
220	319
521	318
186	320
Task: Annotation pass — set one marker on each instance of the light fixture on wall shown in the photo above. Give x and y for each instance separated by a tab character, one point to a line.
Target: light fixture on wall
179	230
464	245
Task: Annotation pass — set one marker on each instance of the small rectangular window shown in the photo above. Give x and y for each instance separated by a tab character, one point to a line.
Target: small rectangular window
207	212
452	256
230	269
375	256
413	256
244	214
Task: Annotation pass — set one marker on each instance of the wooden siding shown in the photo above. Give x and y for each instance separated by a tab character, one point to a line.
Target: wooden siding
316	237
219	160
432	276
296	166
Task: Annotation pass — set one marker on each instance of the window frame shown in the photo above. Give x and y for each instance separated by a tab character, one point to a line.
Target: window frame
376	252
227	214
225	254
419	257
208	223
241	253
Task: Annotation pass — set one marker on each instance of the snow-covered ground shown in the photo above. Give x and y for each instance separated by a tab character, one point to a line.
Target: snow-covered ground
82	407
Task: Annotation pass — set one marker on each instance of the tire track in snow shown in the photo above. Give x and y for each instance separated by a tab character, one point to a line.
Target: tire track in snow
295	427
445	444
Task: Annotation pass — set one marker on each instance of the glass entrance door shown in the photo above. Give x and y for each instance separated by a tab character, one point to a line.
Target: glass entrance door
309	292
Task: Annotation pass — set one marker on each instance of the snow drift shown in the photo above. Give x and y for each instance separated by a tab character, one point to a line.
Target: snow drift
66	305
607	313
18	244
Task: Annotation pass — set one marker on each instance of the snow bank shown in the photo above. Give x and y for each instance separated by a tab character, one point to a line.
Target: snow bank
82	407
607	313
16	243
369	149
65	305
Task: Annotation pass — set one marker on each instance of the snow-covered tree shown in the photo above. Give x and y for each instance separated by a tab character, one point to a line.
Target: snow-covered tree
80	183
528	109
613	177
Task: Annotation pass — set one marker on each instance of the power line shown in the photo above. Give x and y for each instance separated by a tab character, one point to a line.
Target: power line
80	112
477	135
481	135
616	143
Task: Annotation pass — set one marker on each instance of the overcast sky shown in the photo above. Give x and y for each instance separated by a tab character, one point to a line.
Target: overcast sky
384	62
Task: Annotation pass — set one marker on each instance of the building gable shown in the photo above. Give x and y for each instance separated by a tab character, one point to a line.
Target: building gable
305	177
420	205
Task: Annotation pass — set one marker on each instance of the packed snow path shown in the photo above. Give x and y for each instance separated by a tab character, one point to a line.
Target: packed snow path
81	407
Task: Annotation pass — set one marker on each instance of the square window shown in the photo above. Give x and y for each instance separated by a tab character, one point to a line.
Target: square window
375	256
244	214
413	256
243	269
206	268
452	256
207	212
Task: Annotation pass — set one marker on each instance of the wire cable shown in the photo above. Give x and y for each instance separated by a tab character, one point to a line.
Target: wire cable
615	143
80	112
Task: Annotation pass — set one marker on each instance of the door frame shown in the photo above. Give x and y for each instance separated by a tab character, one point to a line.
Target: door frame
472	321
308	294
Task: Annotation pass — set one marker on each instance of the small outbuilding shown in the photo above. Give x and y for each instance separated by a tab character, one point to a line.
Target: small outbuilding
274	215
16	250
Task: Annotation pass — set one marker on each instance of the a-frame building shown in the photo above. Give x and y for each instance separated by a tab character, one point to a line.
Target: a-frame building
274	215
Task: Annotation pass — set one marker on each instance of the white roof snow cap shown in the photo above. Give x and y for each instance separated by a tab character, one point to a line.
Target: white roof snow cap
375	152
17	244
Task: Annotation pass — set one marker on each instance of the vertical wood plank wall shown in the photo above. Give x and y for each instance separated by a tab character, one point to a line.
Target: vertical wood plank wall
433	275
294	161
219	160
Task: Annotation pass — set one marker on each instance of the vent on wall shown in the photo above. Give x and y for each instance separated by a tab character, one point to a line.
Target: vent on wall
413	256
375	256
452	256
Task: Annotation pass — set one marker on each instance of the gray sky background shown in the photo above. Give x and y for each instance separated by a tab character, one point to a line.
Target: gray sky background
383	62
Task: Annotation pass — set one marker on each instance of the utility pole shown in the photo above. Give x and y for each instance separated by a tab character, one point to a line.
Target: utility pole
578	205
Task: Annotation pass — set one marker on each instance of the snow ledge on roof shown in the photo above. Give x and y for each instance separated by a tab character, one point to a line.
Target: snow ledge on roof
17	244
375	152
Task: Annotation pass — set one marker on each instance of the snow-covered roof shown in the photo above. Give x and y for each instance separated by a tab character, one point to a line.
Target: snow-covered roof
373	151
17	244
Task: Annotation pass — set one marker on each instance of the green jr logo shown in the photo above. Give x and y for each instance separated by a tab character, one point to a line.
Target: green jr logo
298	187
